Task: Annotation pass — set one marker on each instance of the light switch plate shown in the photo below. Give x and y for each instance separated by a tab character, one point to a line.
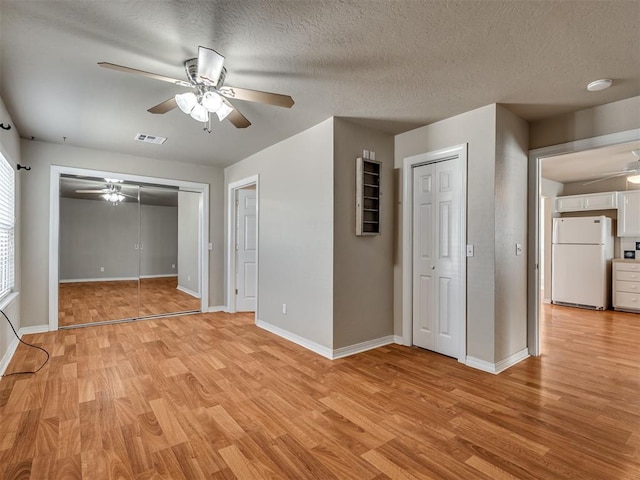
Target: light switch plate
469	250
519	249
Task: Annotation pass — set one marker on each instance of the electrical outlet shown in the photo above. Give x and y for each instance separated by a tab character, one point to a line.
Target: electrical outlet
519	249
284	308
365	154
469	250
188	278
173	265
102	269
372	155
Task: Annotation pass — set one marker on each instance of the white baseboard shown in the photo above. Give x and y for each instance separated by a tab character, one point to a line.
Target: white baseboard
161	275
500	366
188	291
219	308
362	347
13	346
104	279
292	337
399	339
8	355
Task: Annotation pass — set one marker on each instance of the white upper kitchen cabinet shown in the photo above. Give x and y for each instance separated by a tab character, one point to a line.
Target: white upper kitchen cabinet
629	214
590	201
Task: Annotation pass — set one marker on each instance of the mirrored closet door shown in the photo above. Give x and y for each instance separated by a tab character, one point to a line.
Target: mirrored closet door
118	252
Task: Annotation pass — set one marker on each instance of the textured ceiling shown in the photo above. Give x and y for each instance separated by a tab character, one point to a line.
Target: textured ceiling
394	65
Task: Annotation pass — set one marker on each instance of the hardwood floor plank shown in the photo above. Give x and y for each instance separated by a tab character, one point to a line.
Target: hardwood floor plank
213	396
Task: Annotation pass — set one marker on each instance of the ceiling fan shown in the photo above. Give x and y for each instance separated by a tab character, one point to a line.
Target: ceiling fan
205	76
632	171
112	192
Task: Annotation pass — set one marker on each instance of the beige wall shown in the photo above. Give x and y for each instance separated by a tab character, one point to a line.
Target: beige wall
362	266
10	149
35	207
510	228
591	122
477	129
295	243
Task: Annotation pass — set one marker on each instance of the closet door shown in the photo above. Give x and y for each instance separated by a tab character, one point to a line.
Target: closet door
98	265
161	291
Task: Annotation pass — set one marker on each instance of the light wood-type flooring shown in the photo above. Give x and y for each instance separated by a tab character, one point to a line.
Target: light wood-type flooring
212	396
88	302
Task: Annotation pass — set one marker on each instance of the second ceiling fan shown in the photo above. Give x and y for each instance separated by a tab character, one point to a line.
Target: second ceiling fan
206	75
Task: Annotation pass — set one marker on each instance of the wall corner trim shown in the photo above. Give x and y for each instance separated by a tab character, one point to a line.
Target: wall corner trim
13	346
500	366
399	339
363	346
292	337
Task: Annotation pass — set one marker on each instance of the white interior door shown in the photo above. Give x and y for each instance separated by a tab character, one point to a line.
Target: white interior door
438	259
246	243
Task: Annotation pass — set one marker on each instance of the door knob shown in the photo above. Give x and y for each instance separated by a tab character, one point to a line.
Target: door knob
433	267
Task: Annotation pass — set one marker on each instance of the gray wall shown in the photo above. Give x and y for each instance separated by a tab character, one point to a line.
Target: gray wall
188	231
591	122
477	128
295	231
510	228
159	238
35	210
10	149
362	266
550	190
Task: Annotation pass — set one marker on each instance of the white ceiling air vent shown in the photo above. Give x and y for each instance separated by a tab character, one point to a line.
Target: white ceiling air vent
141	137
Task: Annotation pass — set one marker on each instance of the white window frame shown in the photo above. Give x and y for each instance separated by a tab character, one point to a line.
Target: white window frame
7	227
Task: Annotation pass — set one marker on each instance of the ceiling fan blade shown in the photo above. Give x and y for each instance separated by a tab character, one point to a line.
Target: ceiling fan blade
257	96
210	65
235	117
164	107
602	179
93	191
155	76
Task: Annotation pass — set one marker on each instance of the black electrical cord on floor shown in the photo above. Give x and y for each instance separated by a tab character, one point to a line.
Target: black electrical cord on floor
28	345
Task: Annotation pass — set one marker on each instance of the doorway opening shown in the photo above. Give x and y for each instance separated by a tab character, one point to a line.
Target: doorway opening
243	245
125	247
542	193
434	251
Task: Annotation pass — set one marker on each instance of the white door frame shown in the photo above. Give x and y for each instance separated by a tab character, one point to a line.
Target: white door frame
534	173
458	151
231	240
54	226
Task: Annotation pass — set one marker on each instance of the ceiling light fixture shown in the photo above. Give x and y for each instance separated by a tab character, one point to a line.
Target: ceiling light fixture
113	197
598	85
200	106
634	179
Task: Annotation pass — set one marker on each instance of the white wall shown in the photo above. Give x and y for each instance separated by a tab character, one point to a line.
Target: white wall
295	232
35	209
10	149
477	128
362	266
188	208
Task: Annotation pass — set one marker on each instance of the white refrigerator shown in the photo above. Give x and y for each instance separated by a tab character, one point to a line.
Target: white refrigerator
581	262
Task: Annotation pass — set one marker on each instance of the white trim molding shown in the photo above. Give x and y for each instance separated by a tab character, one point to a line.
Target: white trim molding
188	291
13	346
218	308
232	188
500	366
362	347
292	337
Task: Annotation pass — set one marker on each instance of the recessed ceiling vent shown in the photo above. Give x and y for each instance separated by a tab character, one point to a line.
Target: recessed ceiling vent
141	137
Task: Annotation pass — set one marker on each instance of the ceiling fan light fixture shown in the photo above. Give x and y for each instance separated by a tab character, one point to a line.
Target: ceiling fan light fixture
199	113
224	111
634	178
211	101
186	101
113	197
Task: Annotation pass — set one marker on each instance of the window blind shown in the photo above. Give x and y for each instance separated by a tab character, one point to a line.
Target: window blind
7	226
